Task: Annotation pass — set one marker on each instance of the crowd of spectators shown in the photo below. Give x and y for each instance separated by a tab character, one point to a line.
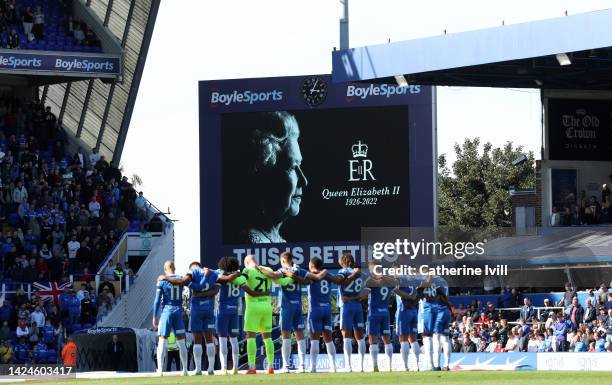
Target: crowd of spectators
561	327
60	215
26	22
34	331
586	210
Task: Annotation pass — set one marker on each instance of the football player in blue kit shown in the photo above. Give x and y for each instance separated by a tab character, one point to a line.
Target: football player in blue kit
320	313
291	318
406	316
228	310
442	319
350	286
169	298
379	290
204	285
428	321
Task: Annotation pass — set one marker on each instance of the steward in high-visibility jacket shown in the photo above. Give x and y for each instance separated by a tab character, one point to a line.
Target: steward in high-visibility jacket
69	353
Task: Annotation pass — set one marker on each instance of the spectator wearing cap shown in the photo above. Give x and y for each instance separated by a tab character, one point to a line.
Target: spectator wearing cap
544	312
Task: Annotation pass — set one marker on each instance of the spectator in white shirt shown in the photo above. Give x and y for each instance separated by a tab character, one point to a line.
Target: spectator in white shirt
19	193
38	316
94	208
73	247
94	157
81	293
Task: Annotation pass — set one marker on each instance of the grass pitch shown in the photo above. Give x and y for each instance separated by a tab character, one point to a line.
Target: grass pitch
428	378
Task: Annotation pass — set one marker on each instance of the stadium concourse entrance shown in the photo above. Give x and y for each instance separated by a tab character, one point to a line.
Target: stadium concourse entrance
569	59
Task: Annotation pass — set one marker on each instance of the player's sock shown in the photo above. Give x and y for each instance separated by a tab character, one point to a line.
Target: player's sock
222	352
428	350
348	352
446	348
269	351
389	353
331	354
162	347
361	349
302	352
436	350
286	352
197	357
415	350
374	354
251	352
404	350
183	353
210	353
314	352
235	351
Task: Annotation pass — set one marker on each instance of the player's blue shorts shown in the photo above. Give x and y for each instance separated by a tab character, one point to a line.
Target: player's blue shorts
351	316
379	323
425	319
320	320
441	319
291	318
171	319
201	321
227	324
406	322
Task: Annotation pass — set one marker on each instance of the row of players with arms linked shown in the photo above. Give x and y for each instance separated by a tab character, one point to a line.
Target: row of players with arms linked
422	307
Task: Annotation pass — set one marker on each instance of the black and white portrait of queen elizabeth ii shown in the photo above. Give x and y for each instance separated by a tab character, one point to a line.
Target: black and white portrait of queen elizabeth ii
263	178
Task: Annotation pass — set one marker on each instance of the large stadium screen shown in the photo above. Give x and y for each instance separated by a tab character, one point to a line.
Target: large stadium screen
300	164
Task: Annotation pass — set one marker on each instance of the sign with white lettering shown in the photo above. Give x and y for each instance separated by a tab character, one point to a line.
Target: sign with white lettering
579	129
301	164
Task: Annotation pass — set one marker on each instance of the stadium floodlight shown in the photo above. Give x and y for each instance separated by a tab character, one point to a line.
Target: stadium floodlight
401	80
563	59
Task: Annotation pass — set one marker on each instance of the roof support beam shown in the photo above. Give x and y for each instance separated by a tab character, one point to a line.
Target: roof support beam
65	101
109	101
85	108
109	10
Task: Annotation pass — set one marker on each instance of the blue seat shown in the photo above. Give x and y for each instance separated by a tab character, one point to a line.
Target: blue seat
87	326
76	327
51	356
13	219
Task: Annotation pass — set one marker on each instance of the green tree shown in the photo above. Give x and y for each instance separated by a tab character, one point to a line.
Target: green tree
474	192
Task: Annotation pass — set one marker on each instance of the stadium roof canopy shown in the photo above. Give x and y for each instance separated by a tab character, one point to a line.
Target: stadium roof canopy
570	52
98	111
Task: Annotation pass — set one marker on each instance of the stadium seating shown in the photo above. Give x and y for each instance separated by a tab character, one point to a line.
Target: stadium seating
56	35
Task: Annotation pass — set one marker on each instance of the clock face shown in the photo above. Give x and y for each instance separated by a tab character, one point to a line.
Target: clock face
314	91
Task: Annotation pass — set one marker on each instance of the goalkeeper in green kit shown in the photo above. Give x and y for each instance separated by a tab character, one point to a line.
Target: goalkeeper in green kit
258	313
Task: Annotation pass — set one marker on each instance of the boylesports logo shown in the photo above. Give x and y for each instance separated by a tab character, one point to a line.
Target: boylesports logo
248	97
384	90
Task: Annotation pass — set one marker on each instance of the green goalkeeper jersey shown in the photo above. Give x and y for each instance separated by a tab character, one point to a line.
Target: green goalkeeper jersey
257	281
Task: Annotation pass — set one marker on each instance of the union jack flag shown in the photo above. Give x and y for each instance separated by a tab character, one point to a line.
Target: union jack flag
51	290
